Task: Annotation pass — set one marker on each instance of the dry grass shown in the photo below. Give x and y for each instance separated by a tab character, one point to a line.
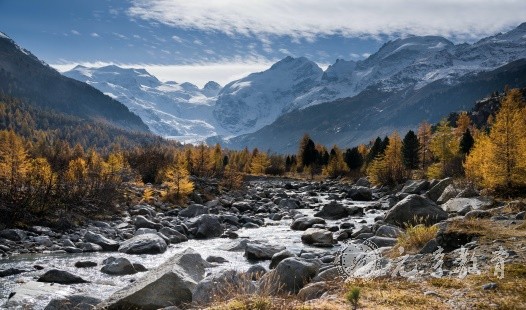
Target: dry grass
414	238
486	229
509	294
393	293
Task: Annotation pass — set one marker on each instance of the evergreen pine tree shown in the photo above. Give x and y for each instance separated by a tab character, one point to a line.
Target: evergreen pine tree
410	149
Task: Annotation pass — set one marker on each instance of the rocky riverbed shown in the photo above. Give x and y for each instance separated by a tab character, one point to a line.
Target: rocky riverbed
276	234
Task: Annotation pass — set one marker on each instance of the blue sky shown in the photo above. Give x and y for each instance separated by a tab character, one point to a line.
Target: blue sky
197	40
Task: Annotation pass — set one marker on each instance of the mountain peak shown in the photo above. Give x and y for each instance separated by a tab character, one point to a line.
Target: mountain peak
4	36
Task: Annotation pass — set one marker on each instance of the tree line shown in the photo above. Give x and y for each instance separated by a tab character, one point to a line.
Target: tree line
51	176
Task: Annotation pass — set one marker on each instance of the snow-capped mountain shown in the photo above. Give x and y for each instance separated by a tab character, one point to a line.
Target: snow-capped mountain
259	99
169	109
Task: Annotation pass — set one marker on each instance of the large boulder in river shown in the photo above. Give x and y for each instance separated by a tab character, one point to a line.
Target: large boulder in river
73	302
332	211
360	193
305	222
194	210
105	243
170	284
317	236
119	267
413	210
144	244
258	251
61	277
290	276
207	226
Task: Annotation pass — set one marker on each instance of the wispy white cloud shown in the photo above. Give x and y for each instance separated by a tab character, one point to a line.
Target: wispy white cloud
95	35
177	39
308	19
75	32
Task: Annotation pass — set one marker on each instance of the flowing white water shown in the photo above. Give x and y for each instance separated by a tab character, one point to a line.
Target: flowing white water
103	285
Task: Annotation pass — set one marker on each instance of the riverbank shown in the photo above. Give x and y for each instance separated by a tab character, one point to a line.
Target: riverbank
276	238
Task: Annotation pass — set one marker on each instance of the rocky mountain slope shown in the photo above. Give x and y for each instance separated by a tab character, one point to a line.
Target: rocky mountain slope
24	76
375	112
182	111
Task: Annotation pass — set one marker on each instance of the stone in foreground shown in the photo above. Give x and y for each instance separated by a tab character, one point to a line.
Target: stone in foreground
171	284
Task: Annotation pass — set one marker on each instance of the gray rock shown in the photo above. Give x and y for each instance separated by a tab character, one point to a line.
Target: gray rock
360	193
464	205
278	257
255	272
43	240
234	246
415	186
329	274
305	222
105	243
61	277
382	241
332	211
430	247
85	264
242	206
173	235
363	182
289	204
144	244
13	234
290	275
119	267
11	272
313	291
317	236
73	302
142	222
143	231
194	210
170	284
469	192
207	226
89	247
72	250
413	210
388	231
258	251
449	192
218	284
478	214
436	191
489	286
216	259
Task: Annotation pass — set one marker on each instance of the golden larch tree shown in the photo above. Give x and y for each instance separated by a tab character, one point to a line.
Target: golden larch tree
500	159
